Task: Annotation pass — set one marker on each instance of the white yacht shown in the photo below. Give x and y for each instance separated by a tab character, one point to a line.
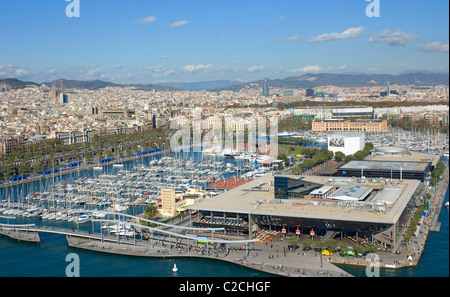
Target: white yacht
83	219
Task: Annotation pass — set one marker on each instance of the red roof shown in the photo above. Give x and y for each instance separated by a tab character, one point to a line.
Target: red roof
229	183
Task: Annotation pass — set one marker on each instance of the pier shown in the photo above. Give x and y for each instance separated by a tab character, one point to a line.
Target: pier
271	257
18	233
439	200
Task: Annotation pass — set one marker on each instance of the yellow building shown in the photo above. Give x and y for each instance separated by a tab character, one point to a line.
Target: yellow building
168	208
172	203
372	125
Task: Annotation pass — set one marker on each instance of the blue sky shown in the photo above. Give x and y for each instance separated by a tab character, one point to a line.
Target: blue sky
139	41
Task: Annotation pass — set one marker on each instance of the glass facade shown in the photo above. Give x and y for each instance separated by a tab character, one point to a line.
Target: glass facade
288	187
265	88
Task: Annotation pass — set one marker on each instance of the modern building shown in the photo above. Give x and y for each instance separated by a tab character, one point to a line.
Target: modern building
402	154
385	169
318	205
309	92
328	113
347	143
265	88
64	98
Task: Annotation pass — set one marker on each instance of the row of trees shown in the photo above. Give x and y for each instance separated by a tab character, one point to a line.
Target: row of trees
40	156
359	155
437	172
413	224
319	156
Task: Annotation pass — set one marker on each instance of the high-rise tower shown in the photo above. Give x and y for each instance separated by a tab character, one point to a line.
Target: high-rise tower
265	88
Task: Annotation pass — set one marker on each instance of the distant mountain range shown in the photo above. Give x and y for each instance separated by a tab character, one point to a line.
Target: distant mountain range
203	85
80	84
309	80
98	84
16	83
347	80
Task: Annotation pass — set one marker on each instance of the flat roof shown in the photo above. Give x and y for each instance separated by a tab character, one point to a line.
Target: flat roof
351	193
388	195
346	134
321	190
412	157
244	200
385	165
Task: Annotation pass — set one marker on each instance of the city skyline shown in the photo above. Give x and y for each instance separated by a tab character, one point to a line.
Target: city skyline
146	42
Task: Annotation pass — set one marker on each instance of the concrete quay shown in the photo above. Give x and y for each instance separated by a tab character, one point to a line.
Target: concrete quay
32	237
273	258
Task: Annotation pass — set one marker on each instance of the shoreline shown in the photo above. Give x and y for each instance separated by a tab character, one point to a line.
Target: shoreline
87	167
280	260
260	257
415	247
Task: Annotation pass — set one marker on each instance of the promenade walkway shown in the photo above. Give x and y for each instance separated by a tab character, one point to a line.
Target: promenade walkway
271	257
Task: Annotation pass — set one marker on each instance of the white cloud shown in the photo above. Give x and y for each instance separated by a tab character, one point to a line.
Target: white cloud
372	69
156	68
165	57
318	68
393	38
349	33
291	38
179	24
434	47
97	72
309	68
11	70
149	19
282	18
256	68
194	68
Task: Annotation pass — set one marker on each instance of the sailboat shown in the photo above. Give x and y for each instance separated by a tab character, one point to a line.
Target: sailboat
174	269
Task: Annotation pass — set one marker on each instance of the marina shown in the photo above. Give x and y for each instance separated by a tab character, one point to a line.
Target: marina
99	209
117	187
427	141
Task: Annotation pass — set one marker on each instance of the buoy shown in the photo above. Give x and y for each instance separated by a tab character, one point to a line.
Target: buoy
174	269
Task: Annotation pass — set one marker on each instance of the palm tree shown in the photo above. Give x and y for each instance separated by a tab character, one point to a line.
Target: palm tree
150	211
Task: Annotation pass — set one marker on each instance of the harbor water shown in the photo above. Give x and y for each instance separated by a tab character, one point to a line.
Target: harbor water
48	259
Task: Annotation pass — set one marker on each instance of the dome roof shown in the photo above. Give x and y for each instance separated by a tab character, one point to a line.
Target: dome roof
391	150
